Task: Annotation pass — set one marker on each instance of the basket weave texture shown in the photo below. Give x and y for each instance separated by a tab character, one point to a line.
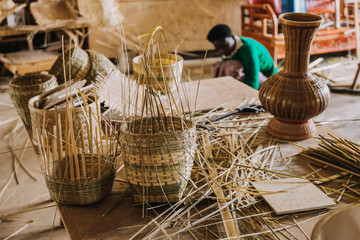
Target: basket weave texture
158	164
75	59
82	190
165	68
22	88
99	64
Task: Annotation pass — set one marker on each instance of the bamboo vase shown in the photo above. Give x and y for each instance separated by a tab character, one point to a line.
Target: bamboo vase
294	95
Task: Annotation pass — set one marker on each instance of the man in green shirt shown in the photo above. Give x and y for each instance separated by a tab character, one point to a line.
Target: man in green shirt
253	56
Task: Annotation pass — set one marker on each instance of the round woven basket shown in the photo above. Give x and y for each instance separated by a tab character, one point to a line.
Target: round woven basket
158	164
22	88
98	64
165	68
77	60
82	191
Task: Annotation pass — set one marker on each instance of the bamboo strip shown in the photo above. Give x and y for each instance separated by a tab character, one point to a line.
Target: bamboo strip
73	143
98	154
83	152
61	173
92	172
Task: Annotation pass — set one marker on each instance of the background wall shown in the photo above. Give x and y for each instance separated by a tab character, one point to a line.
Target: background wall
186	22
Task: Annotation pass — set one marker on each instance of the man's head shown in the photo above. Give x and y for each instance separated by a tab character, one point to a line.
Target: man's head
222	38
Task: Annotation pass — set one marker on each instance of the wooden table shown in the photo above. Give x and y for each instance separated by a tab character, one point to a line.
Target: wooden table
37	60
87	222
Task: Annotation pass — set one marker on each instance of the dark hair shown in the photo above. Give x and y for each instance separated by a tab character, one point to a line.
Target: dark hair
218	32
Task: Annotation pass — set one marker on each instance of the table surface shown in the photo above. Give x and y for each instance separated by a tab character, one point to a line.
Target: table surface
124	220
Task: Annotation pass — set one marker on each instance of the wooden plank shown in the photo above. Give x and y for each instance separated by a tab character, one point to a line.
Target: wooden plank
230	225
28	61
294	195
214	92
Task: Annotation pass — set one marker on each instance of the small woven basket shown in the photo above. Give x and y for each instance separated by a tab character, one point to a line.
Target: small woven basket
89	188
165	68
158	164
22	88
77	60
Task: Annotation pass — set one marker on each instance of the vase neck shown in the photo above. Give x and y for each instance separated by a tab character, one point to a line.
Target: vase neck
298	42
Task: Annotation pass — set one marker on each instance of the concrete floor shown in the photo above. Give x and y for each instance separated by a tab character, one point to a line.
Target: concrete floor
342	115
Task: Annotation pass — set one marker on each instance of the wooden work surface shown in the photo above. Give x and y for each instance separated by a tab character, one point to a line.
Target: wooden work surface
125	219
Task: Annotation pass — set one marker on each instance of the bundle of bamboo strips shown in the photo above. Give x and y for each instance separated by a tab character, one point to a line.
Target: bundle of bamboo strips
340	153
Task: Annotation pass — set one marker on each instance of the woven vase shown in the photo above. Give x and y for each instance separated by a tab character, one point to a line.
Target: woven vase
294	95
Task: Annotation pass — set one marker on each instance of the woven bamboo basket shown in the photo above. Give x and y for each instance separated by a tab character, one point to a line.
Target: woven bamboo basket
44	120
165	68
77	60
98	64
22	88
91	186
158	164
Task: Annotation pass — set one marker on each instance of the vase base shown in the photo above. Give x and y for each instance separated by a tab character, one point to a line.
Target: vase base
291	130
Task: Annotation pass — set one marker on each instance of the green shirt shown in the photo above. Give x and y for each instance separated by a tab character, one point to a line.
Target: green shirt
255	58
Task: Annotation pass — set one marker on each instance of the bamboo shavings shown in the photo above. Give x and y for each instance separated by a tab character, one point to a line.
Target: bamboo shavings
218	175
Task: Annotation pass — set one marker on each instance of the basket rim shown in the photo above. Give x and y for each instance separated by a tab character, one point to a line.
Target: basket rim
172	56
41	76
190	127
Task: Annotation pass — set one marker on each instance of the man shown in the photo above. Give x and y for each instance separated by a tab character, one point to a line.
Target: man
254	57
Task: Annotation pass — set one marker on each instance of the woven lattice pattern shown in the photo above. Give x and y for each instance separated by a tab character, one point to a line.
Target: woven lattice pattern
166	67
77	63
22	88
158	164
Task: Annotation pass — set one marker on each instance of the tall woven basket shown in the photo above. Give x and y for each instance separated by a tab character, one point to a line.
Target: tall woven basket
76	61
22	88
158	161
